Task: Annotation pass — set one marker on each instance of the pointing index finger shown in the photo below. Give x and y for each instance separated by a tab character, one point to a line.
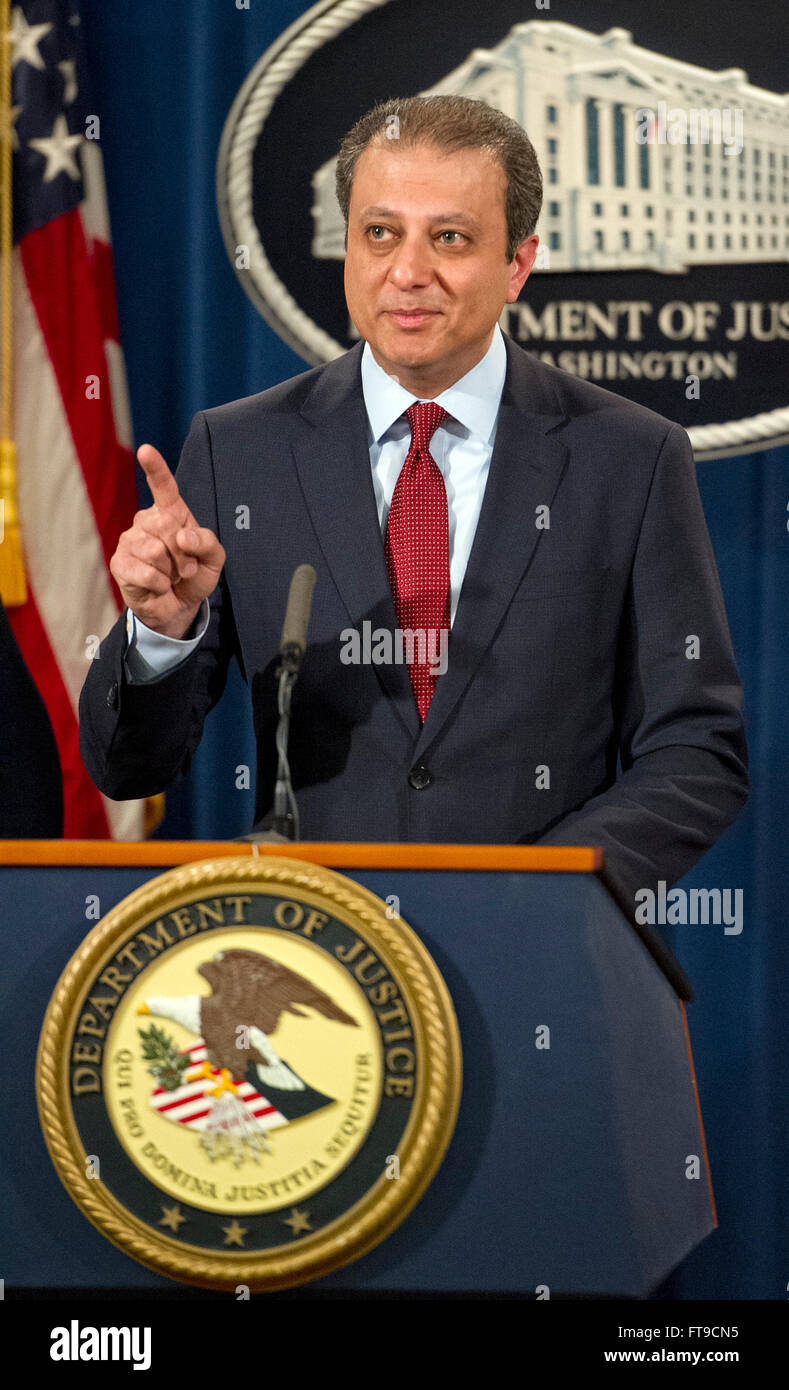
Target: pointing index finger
160	480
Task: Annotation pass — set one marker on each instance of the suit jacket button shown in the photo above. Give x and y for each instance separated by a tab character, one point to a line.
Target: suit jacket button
112	695
419	777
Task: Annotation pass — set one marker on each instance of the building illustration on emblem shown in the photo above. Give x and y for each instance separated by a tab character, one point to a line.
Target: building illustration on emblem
612	201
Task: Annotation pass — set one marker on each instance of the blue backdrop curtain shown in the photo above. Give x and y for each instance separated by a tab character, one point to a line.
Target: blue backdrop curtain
164	78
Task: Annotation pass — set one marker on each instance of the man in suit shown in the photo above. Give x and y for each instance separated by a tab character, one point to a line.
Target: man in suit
437	475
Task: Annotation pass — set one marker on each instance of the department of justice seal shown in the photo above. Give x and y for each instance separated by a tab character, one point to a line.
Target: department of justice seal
248	1073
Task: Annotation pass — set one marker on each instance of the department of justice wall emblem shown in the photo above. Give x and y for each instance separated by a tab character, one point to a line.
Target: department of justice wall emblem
249	1073
664	149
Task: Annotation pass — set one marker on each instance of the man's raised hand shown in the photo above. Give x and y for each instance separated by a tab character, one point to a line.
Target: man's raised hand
165	564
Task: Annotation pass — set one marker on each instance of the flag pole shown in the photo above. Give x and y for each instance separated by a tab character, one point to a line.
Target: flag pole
13	588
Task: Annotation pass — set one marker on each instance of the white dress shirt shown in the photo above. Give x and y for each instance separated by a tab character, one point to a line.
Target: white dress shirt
461	446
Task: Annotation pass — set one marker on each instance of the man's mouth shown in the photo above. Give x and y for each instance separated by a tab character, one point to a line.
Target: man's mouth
410	318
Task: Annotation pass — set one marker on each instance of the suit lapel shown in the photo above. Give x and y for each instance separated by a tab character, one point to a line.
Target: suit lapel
333	464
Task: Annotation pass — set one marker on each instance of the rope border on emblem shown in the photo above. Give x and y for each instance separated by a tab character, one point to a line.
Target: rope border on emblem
242	130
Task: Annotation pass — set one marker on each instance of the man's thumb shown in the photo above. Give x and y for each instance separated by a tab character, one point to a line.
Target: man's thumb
200	542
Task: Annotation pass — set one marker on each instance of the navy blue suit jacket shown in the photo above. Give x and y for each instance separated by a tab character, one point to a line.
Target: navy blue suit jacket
569	650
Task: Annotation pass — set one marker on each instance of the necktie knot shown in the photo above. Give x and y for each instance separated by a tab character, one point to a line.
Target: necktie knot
424	417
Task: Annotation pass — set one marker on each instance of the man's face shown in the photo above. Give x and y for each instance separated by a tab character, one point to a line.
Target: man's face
427	232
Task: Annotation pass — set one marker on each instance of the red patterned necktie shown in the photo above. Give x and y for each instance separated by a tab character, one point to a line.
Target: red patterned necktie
417	551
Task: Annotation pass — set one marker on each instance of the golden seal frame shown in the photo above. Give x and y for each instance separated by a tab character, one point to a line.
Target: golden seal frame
428	1130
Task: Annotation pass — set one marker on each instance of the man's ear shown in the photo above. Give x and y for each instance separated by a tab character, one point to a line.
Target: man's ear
522	265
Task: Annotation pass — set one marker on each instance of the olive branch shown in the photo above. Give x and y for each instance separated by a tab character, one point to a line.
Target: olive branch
168	1064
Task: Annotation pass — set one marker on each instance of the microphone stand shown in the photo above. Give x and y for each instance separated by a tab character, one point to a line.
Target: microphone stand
285	815
281	824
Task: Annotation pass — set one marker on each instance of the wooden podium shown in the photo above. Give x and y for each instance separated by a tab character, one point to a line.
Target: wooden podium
578	1162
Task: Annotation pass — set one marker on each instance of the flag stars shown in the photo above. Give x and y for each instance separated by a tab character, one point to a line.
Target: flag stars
59	151
25	39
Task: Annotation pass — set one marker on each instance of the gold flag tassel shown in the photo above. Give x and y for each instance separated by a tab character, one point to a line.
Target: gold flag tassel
13	588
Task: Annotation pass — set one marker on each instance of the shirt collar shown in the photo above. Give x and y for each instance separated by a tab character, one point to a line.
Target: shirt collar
473	400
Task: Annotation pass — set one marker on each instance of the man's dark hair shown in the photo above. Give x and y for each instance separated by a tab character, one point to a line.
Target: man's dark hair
452	123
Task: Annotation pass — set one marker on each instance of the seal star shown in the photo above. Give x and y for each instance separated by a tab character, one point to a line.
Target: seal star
57	149
25	39
234	1234
298	1221
172	1217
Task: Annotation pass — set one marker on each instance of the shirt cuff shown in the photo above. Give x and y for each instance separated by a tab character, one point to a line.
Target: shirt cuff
150	655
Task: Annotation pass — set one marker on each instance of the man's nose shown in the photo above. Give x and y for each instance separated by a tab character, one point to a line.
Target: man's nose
411	263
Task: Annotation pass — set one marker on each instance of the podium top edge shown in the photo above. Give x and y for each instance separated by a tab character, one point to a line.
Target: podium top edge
332	855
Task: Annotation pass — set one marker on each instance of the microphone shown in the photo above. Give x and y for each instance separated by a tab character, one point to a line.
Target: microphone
293	644
282	822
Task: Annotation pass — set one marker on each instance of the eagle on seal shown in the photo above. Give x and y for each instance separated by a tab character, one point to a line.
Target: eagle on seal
252	991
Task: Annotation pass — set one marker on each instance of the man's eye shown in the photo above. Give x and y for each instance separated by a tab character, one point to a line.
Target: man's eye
375	228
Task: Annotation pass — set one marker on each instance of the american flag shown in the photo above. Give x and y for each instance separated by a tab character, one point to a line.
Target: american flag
75	469
190	1103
